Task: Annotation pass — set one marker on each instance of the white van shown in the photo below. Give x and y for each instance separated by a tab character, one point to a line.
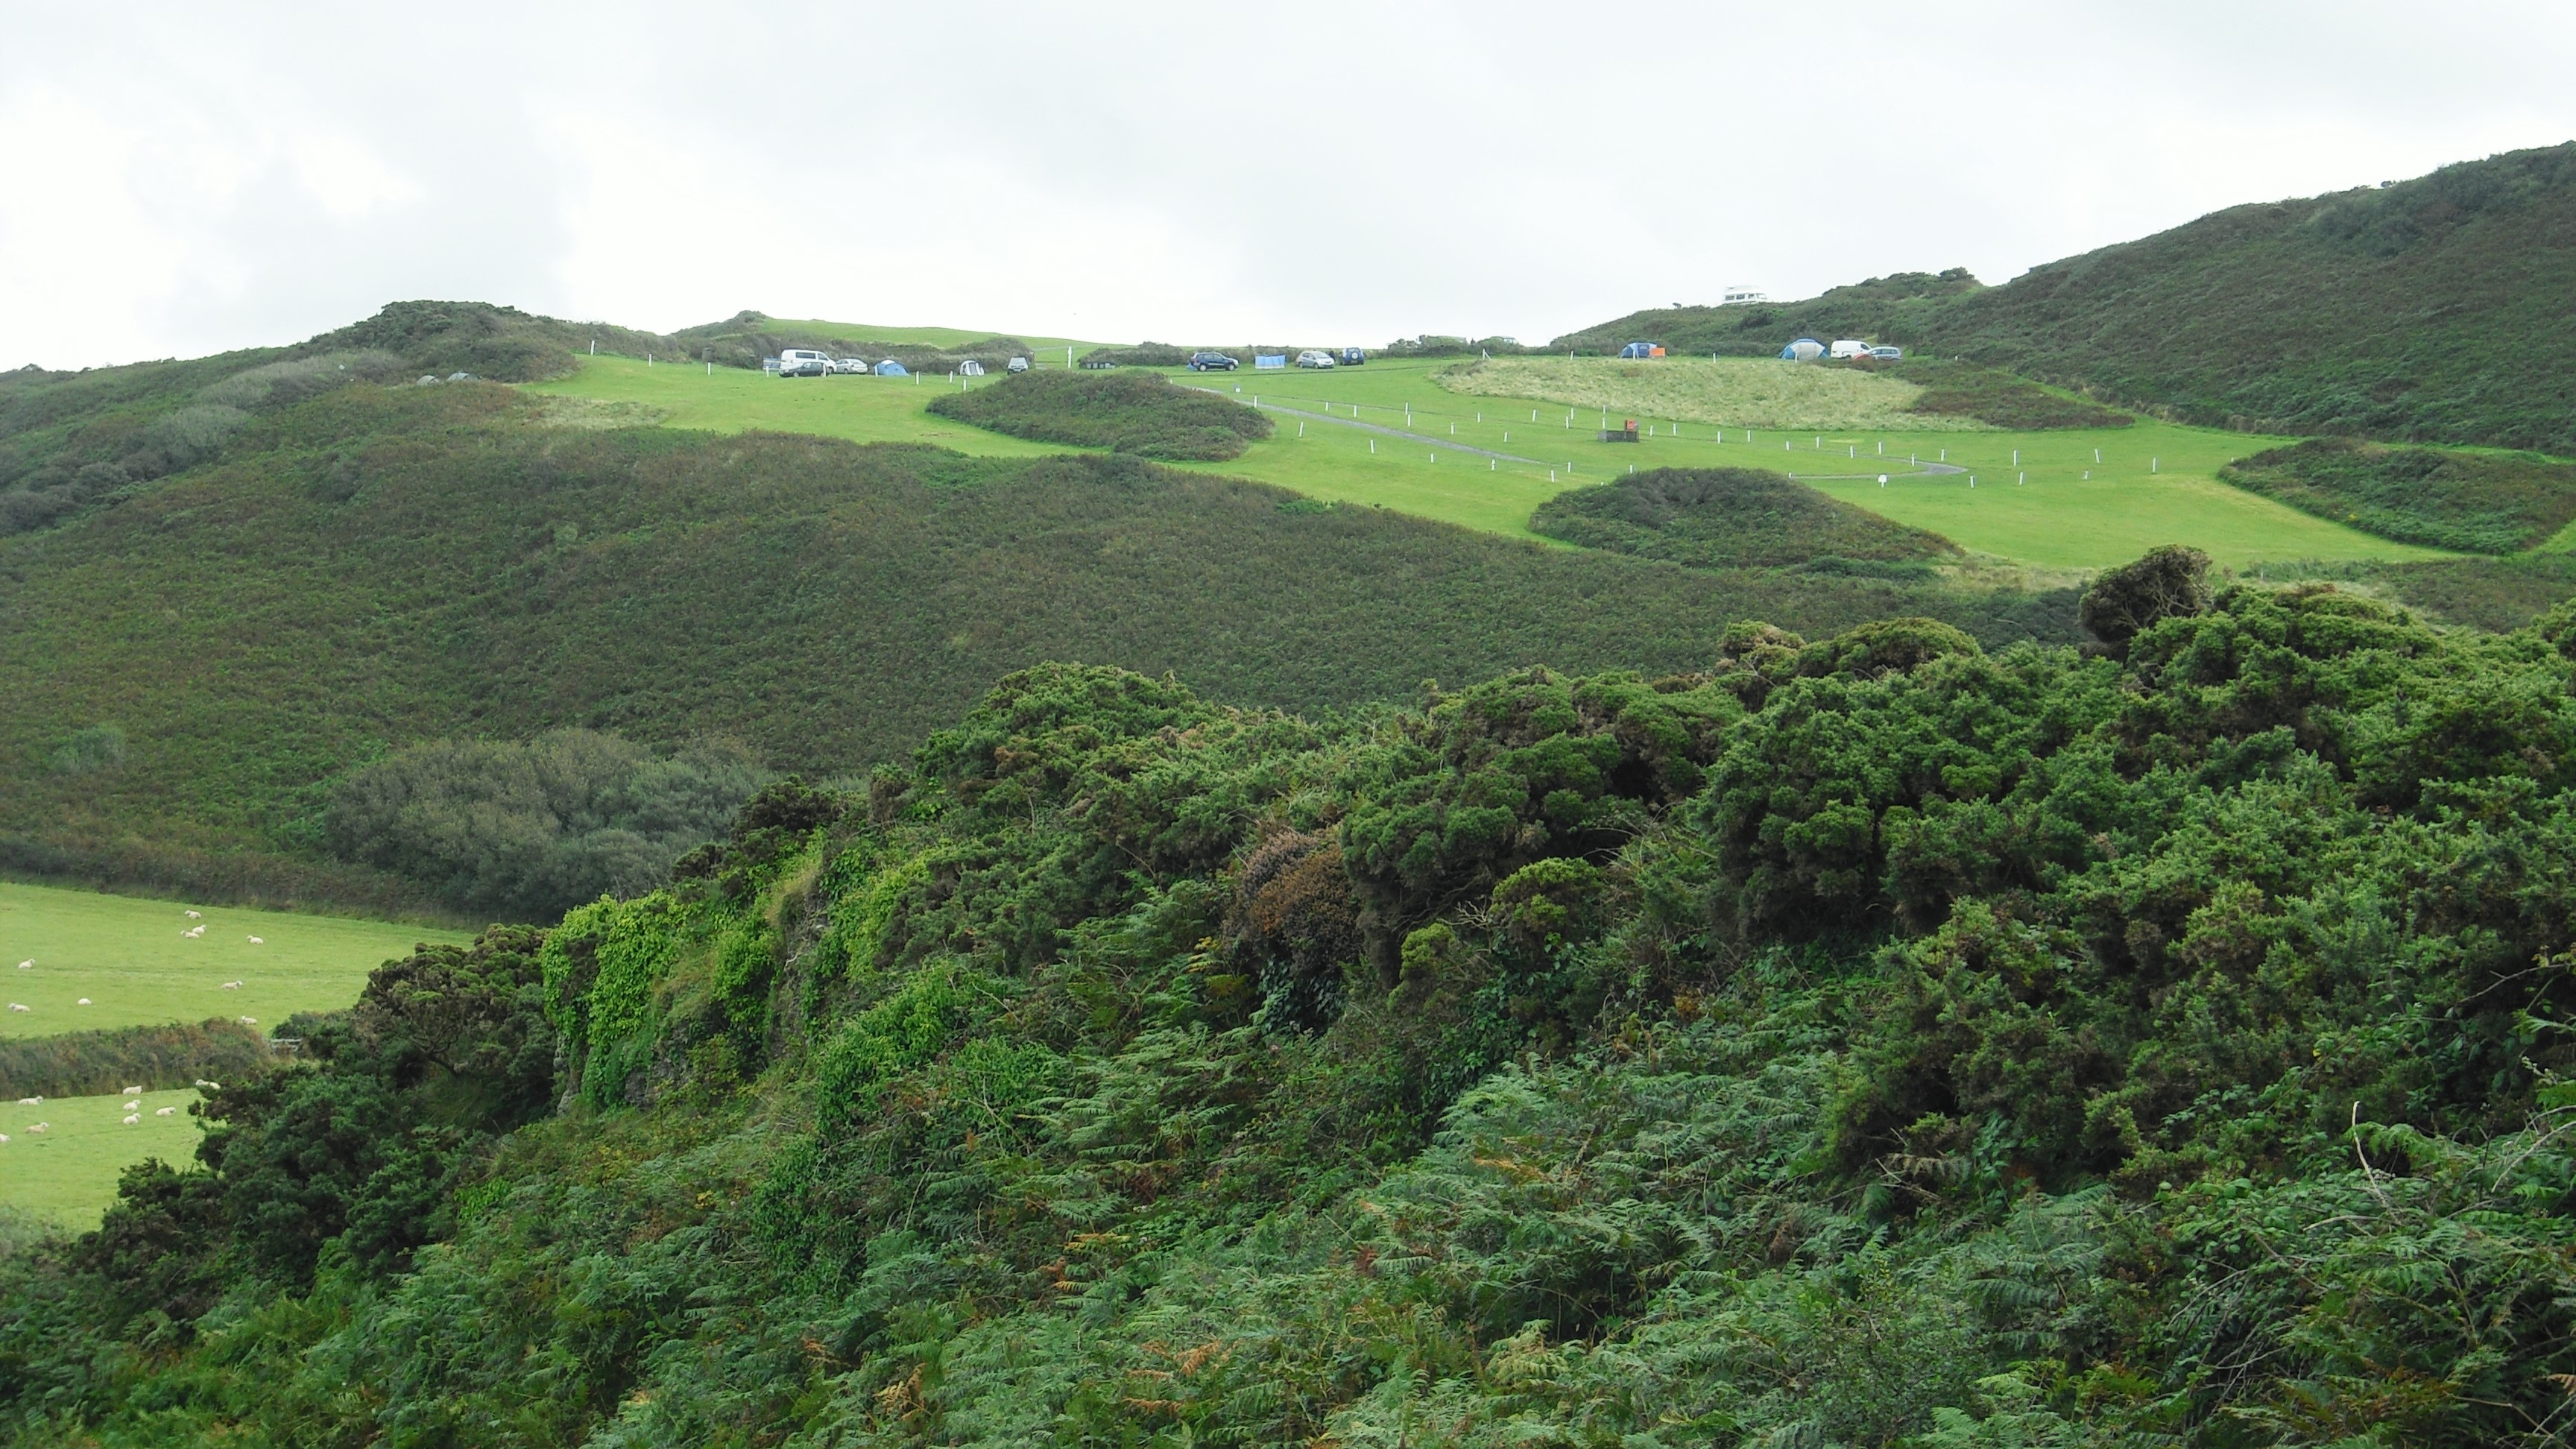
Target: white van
1848	348
799	362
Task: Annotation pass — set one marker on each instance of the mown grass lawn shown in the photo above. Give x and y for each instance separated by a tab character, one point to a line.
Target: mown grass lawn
128	956
67	1173
2154	484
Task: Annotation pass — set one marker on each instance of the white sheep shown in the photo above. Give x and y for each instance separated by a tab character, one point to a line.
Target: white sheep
84	1001
39	1127
132	1118
193	932
163	1111
232	986
26	965
202	1082
250	1021
256	941
134	1091
20	1006
130	1106
4	1136
191	915
31	1101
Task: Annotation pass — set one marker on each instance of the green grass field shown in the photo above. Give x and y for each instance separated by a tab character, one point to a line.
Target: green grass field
1739	392
126	954
67	1173
2155	482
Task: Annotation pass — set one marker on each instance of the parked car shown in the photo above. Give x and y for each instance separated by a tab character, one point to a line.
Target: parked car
1888	354
1353	357
1017	364
1848	348
1211	362
1314	357
798	362
850	366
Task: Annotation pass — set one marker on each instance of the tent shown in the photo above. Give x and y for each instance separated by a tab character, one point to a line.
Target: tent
1805	349
891	368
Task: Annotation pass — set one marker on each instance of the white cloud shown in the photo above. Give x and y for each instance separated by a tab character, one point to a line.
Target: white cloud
178	179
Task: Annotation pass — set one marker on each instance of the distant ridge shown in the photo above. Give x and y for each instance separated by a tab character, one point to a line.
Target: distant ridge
2431	310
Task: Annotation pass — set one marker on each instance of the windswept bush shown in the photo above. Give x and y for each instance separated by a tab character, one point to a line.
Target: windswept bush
1142	413
529	830
1731	518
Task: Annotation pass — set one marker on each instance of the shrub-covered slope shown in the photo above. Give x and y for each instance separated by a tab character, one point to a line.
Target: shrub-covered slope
2428	310
2479	503
1143	413
1729	518
1870	1041
378	567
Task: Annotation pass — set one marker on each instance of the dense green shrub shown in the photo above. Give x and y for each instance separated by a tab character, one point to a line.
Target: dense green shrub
2170	582
2478	503
530	830
1993	396
1142	413
1730	518
156	1058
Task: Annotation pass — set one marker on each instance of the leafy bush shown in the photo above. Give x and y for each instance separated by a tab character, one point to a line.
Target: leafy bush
2477	503
534	829
1130	412
1729	518
2170	582
99	747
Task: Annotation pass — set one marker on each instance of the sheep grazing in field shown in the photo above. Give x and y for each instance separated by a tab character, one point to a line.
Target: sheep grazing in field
250	1021
134	1091
31	1101
26	965
39	1127
193	932
232	986
20	1006
84	1001
4	1136
130	1106
133	1118
256	941
163	1111
191	915
202	1082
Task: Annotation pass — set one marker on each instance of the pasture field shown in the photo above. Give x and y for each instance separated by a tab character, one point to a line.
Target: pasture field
2155	484
924	336
126	954
1741	392
67	1173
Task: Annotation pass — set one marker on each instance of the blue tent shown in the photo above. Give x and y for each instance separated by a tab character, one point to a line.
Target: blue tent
1805	349
890	368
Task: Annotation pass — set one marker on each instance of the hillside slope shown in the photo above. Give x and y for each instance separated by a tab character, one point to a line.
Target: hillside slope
376	566
1865	1042
2430	310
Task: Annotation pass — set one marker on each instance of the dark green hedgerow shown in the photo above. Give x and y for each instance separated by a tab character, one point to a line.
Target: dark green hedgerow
2474	502
155	1058
1143	413
1873	1040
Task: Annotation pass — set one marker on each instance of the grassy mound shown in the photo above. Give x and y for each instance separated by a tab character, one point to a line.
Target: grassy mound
1142	413
1729	392
2477	503
1730	518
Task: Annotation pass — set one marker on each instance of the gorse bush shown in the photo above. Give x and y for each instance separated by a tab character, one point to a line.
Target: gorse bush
2479	503
1873	1039
530	830
1142	413
1729	518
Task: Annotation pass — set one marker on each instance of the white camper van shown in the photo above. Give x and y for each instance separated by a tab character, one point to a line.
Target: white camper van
1848	348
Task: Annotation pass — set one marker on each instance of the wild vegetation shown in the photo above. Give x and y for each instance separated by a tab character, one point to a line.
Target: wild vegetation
1735	518
2474	502
1998	398
408	564
1142	413
1870	1040
746	338
2421	311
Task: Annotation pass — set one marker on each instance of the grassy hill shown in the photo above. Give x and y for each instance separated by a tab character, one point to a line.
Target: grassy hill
1865	1040
2475	502
377	566
1139	413
2429	310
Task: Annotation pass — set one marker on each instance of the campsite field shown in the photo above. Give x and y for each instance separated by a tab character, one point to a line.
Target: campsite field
126	954
67	1173
2155	482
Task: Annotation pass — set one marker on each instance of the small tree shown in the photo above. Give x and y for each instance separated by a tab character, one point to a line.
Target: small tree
2170	582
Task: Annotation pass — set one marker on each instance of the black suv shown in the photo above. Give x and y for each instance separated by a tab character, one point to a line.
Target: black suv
1211	362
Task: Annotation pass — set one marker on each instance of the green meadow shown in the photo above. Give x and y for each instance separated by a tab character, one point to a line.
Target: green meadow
67	1173
128	956
2039	499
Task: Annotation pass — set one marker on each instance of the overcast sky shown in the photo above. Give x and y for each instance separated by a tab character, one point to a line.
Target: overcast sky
182	179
